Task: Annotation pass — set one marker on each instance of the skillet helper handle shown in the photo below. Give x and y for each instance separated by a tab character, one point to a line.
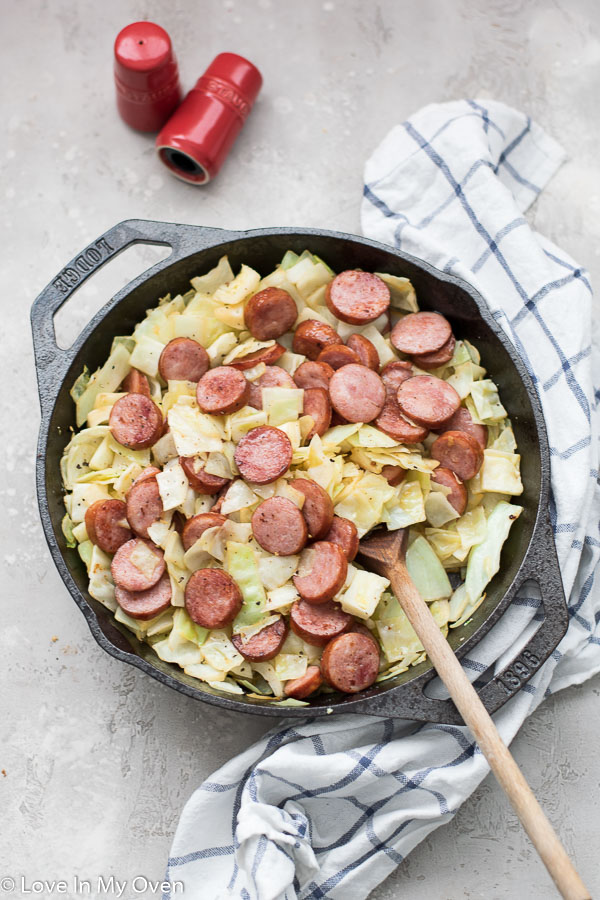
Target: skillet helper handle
51	361
501	762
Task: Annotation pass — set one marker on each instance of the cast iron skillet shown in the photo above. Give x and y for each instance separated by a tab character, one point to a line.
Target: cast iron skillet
528	554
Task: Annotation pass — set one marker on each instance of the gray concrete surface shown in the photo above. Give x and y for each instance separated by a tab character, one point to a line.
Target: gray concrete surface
97	760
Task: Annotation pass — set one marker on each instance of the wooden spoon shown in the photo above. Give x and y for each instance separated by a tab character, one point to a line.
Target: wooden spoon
384	553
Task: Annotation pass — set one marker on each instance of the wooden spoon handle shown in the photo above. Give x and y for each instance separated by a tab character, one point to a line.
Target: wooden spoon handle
475	715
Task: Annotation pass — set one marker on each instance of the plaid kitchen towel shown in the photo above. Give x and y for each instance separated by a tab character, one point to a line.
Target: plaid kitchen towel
328	808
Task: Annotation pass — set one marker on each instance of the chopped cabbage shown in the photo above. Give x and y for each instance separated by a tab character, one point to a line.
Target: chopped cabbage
242	565
282	596
402	293
221	274
487	402
500	473
105	380
193	432
187	629
407	507
83	496
398	639
427	572
282	404
244	283
438	509
146	355
471	528
289	665
276	570
172	485
101	586
220	653
220	347
484	559
364	593
239	496
164	449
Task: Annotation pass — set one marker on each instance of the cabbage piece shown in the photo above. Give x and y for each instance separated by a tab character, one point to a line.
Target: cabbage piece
146	355
445	541
407	507
505	439
80	533
290	361
101	586
440	610
124	456
364	593
398	639
289	259
500	473
487	401
250	345
201	323
242	565
458	603
220	653
402	293
462	379
104	476
282	404
267	670
335	437
289	665
368	436
204	672
231	316
221	274
175	390
156	325
246	632
67	529
484	559
244	283
226	686
193	432
471	528
183	653
106	379
281	597
164	449
158	532
239	496
438	509
172	485
175	562
308	276
85	550
187	629
275	571
427	572
468	612
382	345
83	496
365	504
103	456
220	347
244	420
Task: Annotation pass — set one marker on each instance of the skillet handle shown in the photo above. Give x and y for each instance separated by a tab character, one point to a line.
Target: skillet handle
540	565
52	362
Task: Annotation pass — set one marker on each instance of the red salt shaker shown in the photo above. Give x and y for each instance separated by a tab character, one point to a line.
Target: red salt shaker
146	76
197	138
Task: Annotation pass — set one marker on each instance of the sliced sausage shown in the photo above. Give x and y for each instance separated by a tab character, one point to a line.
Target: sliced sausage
273	376
318	406
264	645
458	451
106	524
267	355
279	527
326	575
183	359
438	357
427	400
394	373
357	297
421	332
144	505
149	472
312	374
270	313
312	336
305	685
136	383
263	455
343	532
127	575
394	423
319	624
365	350
350	662
212	598
136	421
145	604
222	390
357	393
360	628
394	475
458	492
195	527
462	421
338	355
200	480
317	509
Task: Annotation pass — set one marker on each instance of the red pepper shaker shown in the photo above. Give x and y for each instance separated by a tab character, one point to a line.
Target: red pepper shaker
146	76
197	138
